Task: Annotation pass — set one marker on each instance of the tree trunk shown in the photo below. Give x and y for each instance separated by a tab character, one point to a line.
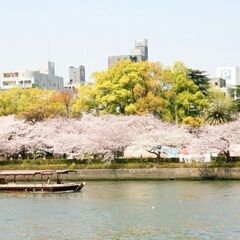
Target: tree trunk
227	155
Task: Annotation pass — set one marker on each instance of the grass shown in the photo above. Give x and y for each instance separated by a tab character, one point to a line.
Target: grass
53	164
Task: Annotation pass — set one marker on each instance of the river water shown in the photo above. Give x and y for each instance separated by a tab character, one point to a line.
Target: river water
126	210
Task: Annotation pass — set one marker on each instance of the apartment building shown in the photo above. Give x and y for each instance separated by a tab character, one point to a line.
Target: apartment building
76	77
43	77
138	54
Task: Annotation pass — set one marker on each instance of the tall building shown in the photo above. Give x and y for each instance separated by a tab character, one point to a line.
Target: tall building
76	77
141	49
112	60
43	77
138	54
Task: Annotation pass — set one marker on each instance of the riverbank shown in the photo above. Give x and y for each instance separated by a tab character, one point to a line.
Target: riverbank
129	169
121	163
191	173
203	173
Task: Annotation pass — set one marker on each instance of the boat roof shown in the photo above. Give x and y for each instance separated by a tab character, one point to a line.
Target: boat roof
33	172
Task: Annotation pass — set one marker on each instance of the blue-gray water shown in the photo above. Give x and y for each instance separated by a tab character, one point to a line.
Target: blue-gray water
126	210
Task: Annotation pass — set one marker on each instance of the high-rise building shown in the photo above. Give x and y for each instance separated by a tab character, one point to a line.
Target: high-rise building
43	77
112	60
141	49
76	77
138	54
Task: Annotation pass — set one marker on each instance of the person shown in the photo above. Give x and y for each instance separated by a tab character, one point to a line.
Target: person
48	180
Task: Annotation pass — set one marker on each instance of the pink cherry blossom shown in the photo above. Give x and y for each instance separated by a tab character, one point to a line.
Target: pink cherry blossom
107	135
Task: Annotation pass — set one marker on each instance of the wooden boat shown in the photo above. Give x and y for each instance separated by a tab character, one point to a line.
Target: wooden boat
44	186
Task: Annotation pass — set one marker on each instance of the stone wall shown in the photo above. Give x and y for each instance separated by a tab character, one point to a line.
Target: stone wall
150	174
157	174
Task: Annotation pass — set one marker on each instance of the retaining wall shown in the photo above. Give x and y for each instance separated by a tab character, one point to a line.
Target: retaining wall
157	174
150	174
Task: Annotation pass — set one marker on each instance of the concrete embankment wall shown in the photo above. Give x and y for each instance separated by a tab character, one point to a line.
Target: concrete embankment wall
150	174
157	174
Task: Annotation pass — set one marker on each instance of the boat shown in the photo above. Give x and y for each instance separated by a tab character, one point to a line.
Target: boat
8	181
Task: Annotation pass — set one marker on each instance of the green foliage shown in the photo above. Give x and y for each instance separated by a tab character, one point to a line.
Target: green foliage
134	163
126	88
85	101
177	94
217	114
200	79
185	97
32	104
193	122
236	104
235	95
9	102
142	88
179	68
220	109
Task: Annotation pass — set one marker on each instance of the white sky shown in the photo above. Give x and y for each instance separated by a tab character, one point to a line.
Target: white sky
203	34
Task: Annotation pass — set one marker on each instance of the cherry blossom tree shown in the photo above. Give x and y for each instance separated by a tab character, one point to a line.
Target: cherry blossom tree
107	136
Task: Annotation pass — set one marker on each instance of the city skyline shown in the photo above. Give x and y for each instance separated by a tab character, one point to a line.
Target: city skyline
202	35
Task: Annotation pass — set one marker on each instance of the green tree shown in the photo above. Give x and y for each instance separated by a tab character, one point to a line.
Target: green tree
85	101
6	104
126	88
220	109
32	104
185	97
218	114
234	93
200	79
142	88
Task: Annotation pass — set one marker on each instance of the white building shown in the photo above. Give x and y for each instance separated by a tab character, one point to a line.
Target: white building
43	77
219	83
231	74
138	54
141	49
76	77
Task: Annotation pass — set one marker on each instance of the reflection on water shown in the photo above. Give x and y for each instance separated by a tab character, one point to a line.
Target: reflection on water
125	210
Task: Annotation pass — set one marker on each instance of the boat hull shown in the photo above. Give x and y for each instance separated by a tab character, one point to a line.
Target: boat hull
66	187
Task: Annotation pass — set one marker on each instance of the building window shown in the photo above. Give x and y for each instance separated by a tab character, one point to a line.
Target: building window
9	75
27	82
9	83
